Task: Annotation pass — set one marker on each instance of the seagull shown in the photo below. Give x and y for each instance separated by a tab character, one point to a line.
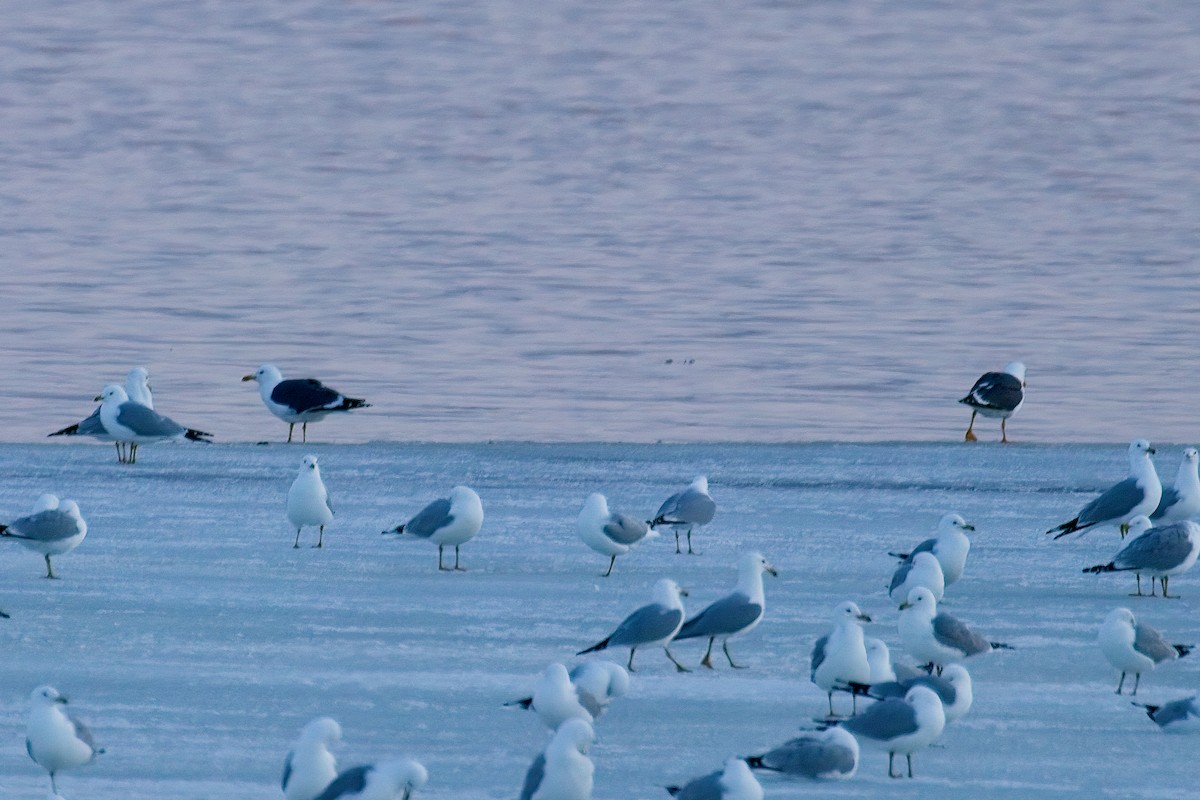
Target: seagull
452	520
609	534
309	768
997	394
839	658
302	400
901	725
584	692
651	625
55	740
386	780
1158	552
563	771
1177	715
1136	495
879	657
831	753
137	386
686	509
953	687
308	501
1134	647
1182	501
734	782
127	421
920	569
732	615
938	638
52	529
950	545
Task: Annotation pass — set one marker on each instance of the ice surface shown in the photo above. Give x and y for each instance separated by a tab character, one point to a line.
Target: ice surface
197	642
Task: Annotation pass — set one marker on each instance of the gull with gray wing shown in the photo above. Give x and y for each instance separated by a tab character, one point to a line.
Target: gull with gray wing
653	625
1157	552
55	740
733	615
1138	494
687	509
832	753
1134	647
938	638
134	423
447	521
309	767
734	781
387	780
52	529
901	725
608	533
1182	500
563	770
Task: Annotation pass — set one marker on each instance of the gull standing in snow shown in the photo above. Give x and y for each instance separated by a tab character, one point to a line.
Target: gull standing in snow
735	614
133	423
832	753
137	386
584	692
938	638
996	394
901	725
1175	716
308	501
839	658
608	533
1136	495
452	520
1158	552
687	509
949	545
52	529
1134	647
309	768
563	771
301	400
921	569
653	625
953	687
734	782
1181	501
386	780
53	739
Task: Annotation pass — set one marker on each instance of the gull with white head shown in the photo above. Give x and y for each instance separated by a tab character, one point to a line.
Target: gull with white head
397	779
308	501
687	509
839	658
1182	500
996	394
1134	647
52	529
1159	552
1135	496
938	638
447	522
607	532
563	771
309	768
735	614
950	545
55	740
300	400
653	625
734	781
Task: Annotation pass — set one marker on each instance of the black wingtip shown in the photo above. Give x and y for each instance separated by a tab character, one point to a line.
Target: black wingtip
1150	710
524	702
901	556
70	430
198	436
1001	646
4	615
1183	649
601	645
674	790
1098	568
755	762
1068	527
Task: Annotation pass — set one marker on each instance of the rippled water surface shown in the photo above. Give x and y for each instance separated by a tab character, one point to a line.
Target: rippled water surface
605	221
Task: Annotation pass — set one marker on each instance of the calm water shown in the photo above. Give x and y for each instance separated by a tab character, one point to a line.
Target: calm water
605	221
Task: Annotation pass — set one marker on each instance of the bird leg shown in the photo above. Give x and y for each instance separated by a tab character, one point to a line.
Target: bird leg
1003	440
320	537
691	552
1138	575
1121	684
611	561
725	647
1164	580
457	568
891	770
304	432
707	660
53	785
440	567
49	569
291	427
1124	529
969	437
296	546
677	550
831	714
133	452
678	667
629	666
120	453
1137	679
909	757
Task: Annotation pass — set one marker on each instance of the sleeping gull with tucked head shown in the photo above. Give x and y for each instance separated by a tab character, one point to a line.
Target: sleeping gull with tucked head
938	638
1157	552
308	501
447	521
735	614
653	625
584	692
687	509
733	782
55	740
608	533
953	687
996	394
1181	501
134	423
1133	647
832	753
386	780
563	771
309	768
300	400
901	725
839	658
53	528
1136	495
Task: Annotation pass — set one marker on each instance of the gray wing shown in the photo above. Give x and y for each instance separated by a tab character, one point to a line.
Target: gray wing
147	422
589	701
287	770
886	720
943	688
348	782
647	624
1116	502
953	633
431	519
91	426
46	526
818	656
810	757
1175	711
694	507
730	614
889	689
533	777
926	546
1157	548
901	573
84	734
624	529
1152	645
1169	498
705	788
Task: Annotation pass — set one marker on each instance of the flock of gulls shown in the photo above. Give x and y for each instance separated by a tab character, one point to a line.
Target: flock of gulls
895	705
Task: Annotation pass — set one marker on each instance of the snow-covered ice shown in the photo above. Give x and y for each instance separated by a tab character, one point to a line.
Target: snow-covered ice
199	642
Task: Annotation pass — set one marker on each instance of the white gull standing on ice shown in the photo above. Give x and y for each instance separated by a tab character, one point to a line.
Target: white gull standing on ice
1134	647
54	740
584	692
687	509
300	400
137	386
134	423
953	687
839	658
1137	495
938	638
949	545
1182	500
309	768
608	533
447	521
52	529
563	771
921	569
1158	552
653	625
735	614
308	501
901	725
